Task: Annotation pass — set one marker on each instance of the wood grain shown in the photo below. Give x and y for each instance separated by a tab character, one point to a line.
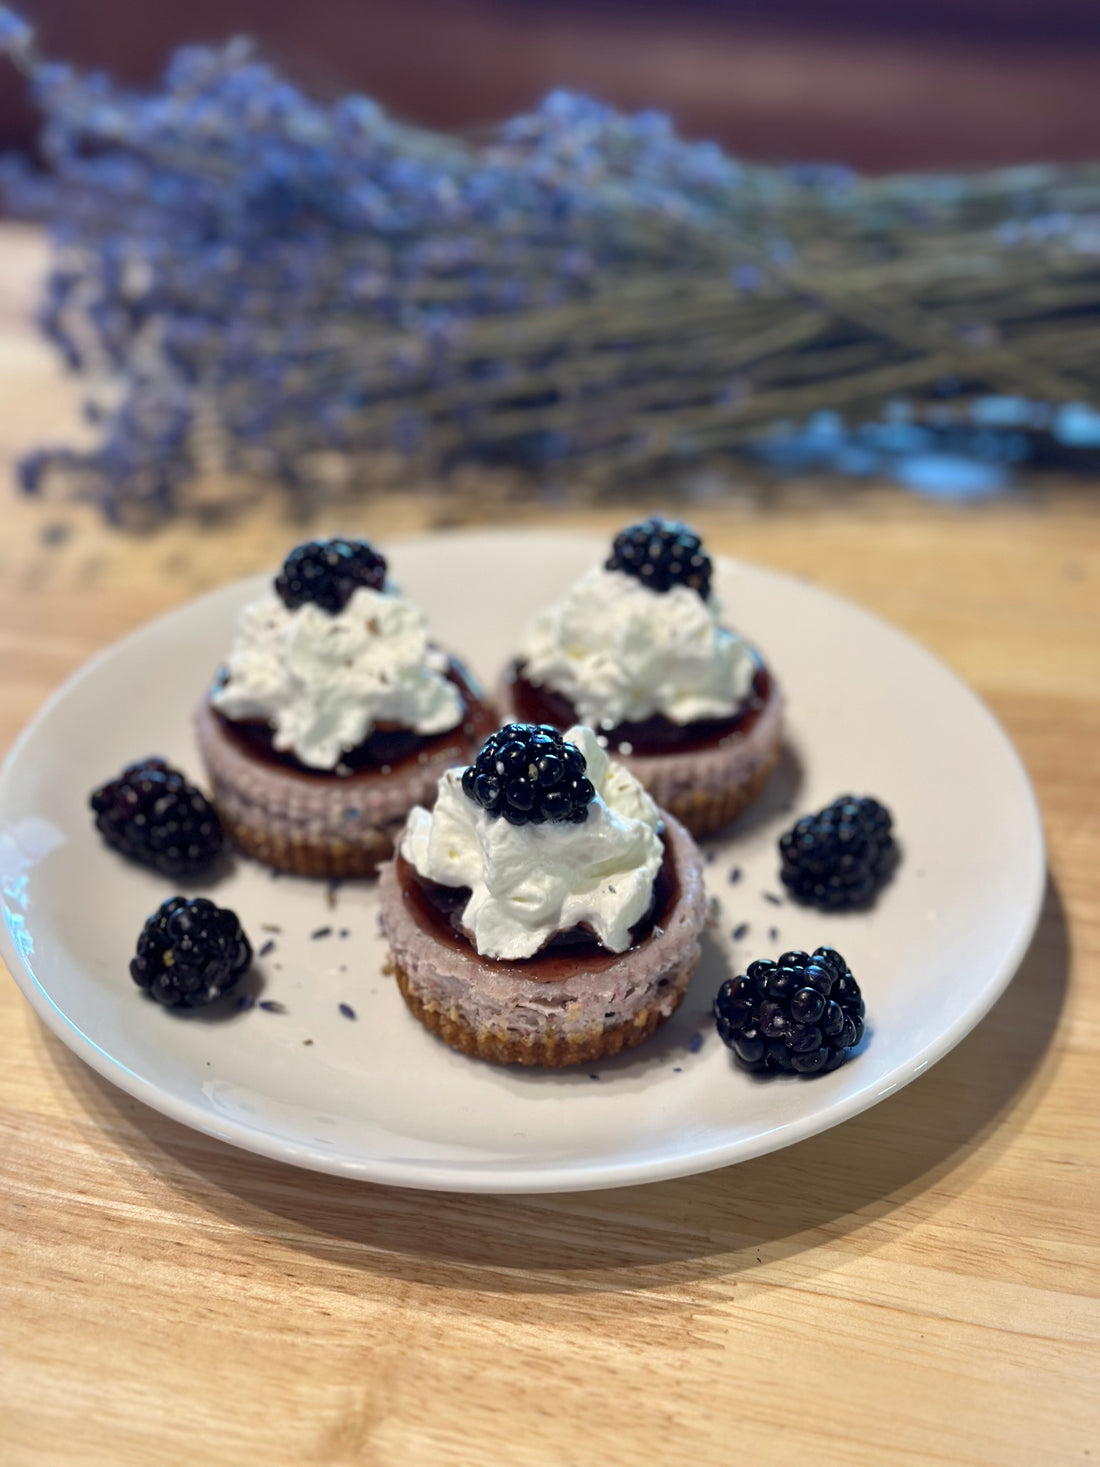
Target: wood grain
919	1285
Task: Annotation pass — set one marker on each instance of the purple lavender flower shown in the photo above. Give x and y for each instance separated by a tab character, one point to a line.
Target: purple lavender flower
266	281
15	34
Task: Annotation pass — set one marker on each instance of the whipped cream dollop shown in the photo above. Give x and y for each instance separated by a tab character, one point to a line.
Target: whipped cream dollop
528	882
621	653
324	681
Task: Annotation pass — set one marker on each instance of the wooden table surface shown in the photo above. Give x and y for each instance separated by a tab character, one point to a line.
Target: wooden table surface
918	1285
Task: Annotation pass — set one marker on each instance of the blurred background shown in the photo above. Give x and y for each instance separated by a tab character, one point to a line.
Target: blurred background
258	283
879	84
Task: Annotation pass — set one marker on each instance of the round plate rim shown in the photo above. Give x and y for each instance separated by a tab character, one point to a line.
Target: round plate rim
595	1174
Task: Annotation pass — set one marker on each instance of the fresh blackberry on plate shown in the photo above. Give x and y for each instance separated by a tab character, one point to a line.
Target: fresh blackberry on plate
328	573
661	554
190	952
841	856
529	774
799	1015
151	814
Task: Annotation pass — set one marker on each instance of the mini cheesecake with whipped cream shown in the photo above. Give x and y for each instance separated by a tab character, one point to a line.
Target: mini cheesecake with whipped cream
637	650
333	715
544	911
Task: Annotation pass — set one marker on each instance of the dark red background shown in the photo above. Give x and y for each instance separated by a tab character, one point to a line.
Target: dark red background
878	83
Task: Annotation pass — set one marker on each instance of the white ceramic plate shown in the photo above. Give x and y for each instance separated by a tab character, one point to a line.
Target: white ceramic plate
379	1098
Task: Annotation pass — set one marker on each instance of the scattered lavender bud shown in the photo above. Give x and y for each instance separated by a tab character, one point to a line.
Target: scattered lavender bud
740	931
695	1043
272	1006
268	947
735	873
320	932
347	1011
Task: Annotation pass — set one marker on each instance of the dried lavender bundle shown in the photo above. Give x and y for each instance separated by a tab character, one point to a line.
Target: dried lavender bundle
261	286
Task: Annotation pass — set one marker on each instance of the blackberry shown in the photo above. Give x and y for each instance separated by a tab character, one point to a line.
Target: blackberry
661	554
151	814
328	573
190	952
529	774
800	1015
840	856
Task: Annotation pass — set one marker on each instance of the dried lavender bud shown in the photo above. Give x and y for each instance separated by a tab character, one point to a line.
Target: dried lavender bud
277	282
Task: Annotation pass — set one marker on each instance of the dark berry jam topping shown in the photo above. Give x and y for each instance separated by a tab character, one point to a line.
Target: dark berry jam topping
656	735
385	750
438	910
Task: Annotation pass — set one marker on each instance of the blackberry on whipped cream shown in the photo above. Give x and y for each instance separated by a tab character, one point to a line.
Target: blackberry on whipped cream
530	881
529	774
662	553
328	573
333	713
622	653
324	680
637	649
546	942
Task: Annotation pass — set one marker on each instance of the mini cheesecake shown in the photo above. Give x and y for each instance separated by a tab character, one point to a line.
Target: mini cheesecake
637	651
333	716
547	917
